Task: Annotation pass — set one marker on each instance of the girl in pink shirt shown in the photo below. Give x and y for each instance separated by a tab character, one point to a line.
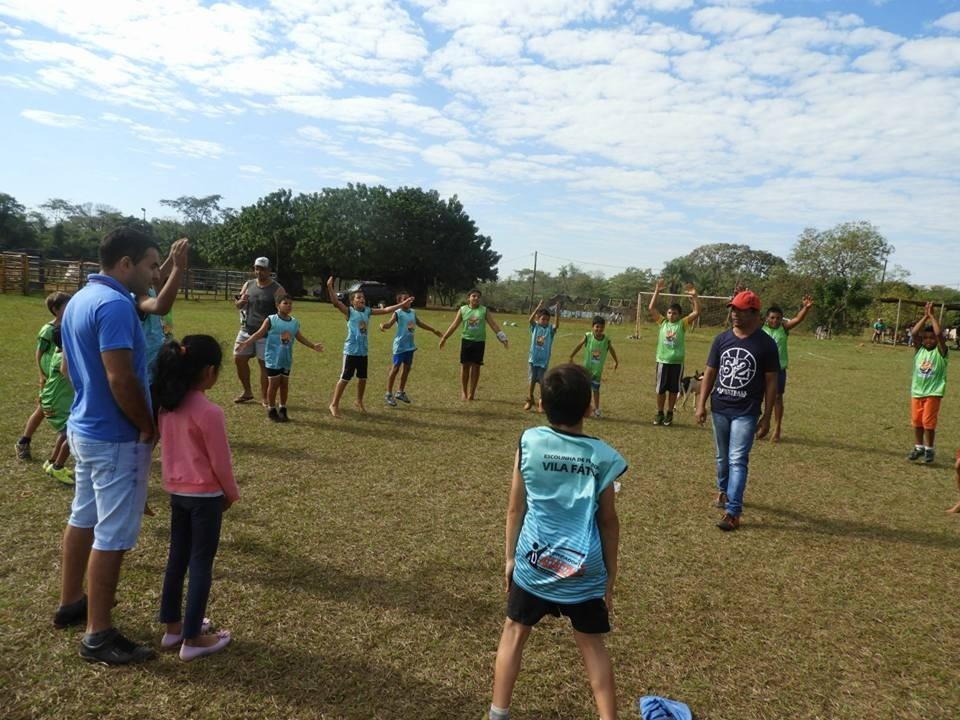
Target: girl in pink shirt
199	477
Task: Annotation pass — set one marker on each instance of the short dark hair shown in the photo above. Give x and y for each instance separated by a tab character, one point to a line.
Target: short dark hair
565	392
775	309
474	290
56	300
543	311
599	320
281	296
179	365
124	242
675	306
402	292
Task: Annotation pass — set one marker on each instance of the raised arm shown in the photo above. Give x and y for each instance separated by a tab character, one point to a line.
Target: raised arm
695	301
804	309
533	315
161	304
405	305
166	267
941	343
918	328
501	335
652	307
556	319
331	293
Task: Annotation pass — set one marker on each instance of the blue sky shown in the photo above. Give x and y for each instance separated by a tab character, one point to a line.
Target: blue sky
604	133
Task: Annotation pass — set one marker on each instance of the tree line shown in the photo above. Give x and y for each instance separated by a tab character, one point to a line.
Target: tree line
413	238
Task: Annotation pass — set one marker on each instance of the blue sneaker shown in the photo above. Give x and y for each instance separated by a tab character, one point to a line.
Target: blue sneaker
402	397
389	399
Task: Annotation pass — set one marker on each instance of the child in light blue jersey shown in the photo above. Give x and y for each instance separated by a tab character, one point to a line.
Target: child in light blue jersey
407	322
541	343
561	538
356	345
280	330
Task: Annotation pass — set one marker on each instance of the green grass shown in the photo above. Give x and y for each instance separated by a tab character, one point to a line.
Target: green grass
361	571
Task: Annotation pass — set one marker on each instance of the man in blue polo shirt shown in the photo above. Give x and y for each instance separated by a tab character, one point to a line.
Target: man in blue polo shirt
740	376
111	434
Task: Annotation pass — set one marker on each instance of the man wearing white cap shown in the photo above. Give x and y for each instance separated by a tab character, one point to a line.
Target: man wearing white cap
255	302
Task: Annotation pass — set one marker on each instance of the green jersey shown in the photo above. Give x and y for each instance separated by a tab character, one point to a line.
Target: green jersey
671	344
929	373
473	323
779	336
595	354
56	396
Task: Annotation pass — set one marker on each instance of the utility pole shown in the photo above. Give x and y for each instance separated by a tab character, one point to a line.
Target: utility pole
533	280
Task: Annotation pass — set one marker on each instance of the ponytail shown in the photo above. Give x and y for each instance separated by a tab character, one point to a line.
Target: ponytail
180	365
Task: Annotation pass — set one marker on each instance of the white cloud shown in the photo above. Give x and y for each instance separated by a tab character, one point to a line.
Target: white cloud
52	119
250	169
950	22
168	143
528	15
933	53
733	21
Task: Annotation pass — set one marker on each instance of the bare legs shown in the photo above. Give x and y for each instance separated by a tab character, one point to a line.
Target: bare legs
338	394
777	418
469	377
243	374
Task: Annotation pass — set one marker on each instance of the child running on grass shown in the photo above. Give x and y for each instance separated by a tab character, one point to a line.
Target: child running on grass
472	319
56	303
929	383
562	535
671	349
198	474
403	348
280	329
356	345
542	334
778	328
595	346
56	397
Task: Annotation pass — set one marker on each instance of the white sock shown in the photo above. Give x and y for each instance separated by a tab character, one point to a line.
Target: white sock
499	713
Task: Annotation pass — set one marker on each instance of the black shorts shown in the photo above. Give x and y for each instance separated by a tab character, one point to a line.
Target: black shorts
589	617
273	372
471	351
354	364
668	377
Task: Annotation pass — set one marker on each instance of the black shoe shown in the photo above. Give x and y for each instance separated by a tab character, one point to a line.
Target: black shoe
273	414
115	649
283	414
73	614
928	455
916	454
23	450
658	420
668	419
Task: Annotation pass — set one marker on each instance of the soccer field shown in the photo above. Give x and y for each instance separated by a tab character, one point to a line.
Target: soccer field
361	571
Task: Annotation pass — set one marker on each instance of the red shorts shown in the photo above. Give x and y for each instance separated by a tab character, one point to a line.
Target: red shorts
924	411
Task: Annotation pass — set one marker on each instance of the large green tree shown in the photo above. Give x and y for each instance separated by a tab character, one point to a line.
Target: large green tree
15	230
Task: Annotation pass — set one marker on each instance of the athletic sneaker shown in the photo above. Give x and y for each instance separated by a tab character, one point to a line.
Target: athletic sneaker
658	420
283	414
273	414
668	418
72	614
928	455
389	399
729	522
61	475
402	397
598	413
916	454
23	450
47	466
115	649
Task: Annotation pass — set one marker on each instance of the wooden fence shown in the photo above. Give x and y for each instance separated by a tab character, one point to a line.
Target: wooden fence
27	274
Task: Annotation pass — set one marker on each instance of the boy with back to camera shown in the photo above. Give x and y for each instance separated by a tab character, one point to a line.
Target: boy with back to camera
929	383
562	534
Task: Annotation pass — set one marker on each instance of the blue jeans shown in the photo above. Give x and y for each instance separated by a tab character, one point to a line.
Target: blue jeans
111	489
194	537
734	438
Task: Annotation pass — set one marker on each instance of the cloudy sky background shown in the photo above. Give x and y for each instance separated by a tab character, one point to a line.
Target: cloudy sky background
601	132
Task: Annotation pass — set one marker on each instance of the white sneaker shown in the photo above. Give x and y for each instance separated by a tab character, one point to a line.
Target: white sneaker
598	413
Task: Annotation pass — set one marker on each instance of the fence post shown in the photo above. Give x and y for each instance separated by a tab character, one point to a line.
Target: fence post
25	273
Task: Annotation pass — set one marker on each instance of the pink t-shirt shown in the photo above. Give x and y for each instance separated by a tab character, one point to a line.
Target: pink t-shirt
195	450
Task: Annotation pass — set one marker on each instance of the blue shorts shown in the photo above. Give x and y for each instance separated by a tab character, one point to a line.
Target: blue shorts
536	373
404	358
595	385
782	382
111	489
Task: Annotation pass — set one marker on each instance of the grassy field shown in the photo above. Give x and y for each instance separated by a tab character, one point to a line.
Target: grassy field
361	571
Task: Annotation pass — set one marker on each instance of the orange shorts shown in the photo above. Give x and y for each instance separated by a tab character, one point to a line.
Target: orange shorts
924	411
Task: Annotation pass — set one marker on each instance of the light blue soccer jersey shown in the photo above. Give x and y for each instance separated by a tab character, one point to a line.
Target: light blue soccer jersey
541	343
403	341
278	350
559	556
357	326
153	336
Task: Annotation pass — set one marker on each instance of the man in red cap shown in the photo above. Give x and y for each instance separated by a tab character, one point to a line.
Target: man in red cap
740	376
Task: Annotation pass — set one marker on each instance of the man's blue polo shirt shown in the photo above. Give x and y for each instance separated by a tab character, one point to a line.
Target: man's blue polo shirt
101	316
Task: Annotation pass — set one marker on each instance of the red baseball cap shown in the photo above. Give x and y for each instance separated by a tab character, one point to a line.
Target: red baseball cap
746	300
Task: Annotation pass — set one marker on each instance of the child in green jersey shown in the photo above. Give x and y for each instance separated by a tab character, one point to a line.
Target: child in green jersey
671	349
472	319
778	328
56	397
595	346
929	383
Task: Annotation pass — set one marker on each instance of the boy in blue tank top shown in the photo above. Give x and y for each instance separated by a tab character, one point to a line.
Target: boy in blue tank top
356	345
542	334
561	538
280	329
404	347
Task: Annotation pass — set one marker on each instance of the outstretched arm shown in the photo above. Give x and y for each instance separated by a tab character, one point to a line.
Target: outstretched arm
334	299
805	308
261	331
313	346
405	305
652	307
428	328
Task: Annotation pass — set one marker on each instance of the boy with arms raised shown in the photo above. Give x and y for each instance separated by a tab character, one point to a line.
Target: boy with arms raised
596	344
929	383
671	349
542	334
403	348
562	534
779	329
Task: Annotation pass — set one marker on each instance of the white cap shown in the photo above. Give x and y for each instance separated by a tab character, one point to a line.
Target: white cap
262	262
